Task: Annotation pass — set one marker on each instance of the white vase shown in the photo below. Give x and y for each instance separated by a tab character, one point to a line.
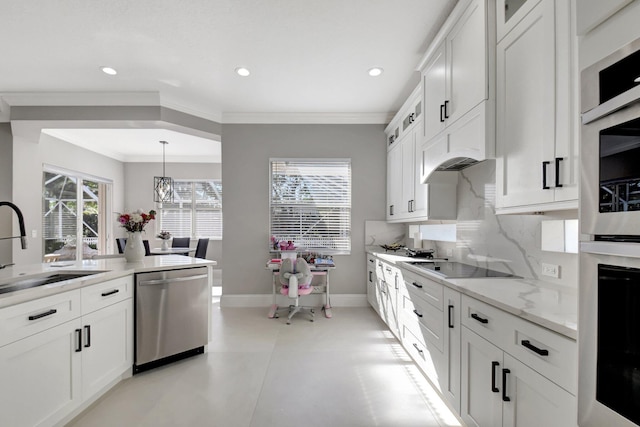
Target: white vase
134	249
165	245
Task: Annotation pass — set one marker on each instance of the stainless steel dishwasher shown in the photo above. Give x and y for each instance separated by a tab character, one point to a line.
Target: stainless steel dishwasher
171	317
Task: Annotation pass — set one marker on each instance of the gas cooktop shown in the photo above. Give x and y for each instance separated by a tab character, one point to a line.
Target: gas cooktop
458	270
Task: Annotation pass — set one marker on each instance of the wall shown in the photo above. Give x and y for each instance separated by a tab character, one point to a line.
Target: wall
509	243
7	217
28	158
246	150
138	179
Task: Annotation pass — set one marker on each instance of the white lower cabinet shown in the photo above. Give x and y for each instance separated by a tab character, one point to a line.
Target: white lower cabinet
52	366
499	390
373	290
40	377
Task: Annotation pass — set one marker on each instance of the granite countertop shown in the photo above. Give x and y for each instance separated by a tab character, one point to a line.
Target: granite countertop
106	269
552	306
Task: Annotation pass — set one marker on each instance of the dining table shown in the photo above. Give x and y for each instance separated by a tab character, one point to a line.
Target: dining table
172	251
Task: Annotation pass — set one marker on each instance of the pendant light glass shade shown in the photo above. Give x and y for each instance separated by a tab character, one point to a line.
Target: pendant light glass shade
163	185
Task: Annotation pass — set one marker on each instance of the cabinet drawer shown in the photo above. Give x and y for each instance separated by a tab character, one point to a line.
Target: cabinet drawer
106	293
432	292
428	360
424	320
550	354
487	321
22	320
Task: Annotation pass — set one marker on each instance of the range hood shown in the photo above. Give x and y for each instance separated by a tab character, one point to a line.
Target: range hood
457	164
446	162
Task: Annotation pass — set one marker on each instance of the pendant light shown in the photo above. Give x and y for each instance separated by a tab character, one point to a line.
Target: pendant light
163	184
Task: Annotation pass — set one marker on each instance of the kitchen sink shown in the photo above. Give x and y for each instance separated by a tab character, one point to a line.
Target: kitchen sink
33	282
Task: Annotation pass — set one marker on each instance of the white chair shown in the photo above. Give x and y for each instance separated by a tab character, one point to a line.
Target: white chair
295	280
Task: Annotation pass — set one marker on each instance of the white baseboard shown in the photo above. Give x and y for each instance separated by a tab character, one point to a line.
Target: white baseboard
265	300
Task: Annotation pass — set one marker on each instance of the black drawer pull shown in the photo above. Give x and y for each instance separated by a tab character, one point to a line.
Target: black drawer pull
451	316
540	351
479	319
79	340
45	314
494	365
88	329
505	398
417	313
446	109
417	348
370	279
417	285
106	294
441	113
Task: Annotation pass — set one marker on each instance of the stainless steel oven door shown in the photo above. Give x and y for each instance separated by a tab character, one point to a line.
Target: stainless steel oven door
594	257
592	220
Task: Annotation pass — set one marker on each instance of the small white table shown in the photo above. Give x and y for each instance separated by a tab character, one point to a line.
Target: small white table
316	270
172	251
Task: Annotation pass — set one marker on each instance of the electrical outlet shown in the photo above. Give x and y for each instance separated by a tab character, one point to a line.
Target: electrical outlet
551	270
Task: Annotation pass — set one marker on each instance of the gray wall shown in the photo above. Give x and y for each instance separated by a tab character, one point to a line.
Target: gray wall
138	178
6	182
246	150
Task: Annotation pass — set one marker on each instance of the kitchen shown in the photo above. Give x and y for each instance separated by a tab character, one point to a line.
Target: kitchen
480	232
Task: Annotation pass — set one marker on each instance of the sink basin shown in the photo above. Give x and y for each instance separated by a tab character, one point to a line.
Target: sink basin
43	280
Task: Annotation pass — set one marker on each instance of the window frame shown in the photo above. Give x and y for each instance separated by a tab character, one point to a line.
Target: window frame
345	224
193	210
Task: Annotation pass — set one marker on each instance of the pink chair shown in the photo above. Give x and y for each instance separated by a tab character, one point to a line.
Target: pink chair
295	280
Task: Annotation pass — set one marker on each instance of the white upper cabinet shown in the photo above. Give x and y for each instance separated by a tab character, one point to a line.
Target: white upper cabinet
457	79
536	148
509	13
591	13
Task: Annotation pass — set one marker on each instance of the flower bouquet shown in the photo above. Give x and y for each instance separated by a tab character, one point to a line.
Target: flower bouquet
164	236
136	221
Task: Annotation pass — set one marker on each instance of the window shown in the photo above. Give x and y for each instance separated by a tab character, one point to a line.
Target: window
310	202
74	209
196	211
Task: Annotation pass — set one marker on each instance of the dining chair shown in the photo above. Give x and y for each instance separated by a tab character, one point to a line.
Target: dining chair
201	248
180	242
147	249
121	242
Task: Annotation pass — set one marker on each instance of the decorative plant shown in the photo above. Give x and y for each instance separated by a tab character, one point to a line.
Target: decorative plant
136	221
164	235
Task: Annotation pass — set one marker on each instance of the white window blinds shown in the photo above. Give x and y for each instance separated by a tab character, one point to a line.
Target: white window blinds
311	202
196	211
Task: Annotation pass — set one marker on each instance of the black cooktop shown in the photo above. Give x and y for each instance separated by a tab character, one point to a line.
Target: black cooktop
458	270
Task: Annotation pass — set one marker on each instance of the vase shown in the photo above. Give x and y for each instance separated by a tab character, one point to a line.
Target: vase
134	249
165	245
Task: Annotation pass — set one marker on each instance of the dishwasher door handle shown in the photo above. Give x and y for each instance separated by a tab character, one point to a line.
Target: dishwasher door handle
168	281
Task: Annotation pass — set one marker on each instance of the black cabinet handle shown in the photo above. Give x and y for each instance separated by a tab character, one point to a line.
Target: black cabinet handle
106	294
79	340
540	351
391	210
409	206
370	279
505	398
371	260
544	175
479	319
450	316
45	314
558	160
416	284
494	365
441	113
446	110
417	348
417	313
87	328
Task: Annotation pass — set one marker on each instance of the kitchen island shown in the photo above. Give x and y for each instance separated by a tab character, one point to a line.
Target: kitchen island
64	344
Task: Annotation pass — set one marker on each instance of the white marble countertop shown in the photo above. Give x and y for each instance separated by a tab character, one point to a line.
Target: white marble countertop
549	305
105	269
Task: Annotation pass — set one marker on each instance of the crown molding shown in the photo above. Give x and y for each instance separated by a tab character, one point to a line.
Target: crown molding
306	118
74	99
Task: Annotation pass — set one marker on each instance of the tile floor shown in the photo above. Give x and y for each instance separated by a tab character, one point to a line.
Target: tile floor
259	372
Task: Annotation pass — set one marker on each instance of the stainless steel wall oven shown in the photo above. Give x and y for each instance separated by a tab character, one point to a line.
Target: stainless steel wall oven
609	305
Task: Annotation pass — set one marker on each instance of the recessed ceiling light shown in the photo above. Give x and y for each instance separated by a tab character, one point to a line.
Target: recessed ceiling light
241	71
109	70
375	71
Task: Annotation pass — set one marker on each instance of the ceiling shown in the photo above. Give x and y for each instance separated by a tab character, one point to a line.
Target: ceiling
305	57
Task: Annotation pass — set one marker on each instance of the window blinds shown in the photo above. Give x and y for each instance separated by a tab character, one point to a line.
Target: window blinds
311	203
196	211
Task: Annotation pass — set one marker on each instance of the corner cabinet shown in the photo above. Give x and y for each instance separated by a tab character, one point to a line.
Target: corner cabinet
536	136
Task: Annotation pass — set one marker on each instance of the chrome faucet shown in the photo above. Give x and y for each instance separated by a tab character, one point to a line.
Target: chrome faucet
23	232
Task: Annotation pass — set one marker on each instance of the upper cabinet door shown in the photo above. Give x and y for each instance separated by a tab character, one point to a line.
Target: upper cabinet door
467	82
509	13
434	85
